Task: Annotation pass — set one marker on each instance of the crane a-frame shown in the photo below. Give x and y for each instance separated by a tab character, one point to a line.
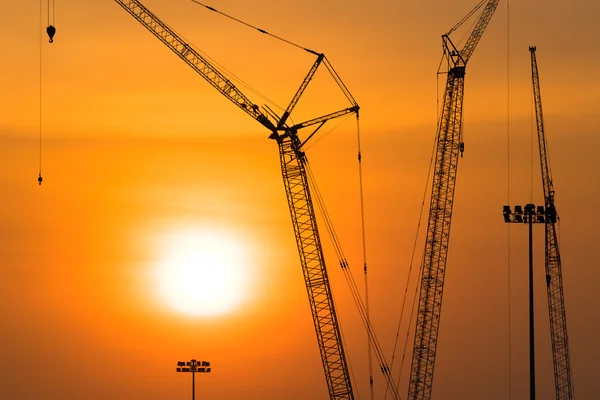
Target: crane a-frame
563	382
448	146
293	168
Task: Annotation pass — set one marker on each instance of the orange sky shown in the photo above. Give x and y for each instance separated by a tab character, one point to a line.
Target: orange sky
136	146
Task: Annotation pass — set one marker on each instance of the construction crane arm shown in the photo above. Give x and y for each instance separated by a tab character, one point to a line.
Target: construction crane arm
300	91
350	110
478	29
194	59
293	168
433	268
294	171
563	382
548	186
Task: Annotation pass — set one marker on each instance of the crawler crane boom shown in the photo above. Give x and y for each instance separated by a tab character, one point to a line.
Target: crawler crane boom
554	286
448	146
293	167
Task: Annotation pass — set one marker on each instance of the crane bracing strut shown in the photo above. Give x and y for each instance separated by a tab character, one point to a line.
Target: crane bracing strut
448	146
554	285
293	167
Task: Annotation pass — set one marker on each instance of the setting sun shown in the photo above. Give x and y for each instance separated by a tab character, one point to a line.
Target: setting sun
180	144
203	272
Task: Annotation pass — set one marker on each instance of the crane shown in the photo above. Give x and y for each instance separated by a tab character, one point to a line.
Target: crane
448	146
294	171
563	382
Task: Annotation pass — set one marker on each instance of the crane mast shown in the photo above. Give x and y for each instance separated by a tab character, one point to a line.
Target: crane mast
554	286
448	146
293	167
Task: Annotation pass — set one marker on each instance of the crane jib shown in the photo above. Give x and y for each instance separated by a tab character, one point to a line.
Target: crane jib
448	147
563	381
293	163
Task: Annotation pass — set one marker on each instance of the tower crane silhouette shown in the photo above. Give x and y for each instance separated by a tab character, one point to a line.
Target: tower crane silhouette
294	165
448	146
563	381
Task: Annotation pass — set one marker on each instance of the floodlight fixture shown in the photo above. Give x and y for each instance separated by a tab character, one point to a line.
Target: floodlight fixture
194	367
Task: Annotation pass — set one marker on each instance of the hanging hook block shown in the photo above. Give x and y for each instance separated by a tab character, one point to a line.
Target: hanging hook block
51	31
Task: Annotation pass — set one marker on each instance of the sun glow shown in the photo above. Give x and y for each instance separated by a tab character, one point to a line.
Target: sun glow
203	272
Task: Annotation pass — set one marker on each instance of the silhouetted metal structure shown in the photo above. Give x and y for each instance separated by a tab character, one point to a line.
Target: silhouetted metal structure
530	216
194	367
449	145
556	301
293	168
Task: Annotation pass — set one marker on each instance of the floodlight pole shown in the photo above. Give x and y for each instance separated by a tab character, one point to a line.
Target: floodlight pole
193	366
529	216
531	308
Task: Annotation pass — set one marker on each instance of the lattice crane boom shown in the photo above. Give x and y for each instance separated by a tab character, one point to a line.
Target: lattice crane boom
478	29
563	382
448	147
300	90
293	167
194	59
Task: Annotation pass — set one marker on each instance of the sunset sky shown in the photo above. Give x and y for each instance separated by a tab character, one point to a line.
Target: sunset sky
141	156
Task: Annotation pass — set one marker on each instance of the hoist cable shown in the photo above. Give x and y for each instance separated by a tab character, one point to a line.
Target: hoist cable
227	72
329	67
339	82
254	27
40	94
508	197
354	291
51	11
364	250
350	369
473	11
234	77
532	132
410	268
315	141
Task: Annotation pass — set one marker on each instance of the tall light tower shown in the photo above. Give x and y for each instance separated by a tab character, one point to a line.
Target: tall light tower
530	216
193	366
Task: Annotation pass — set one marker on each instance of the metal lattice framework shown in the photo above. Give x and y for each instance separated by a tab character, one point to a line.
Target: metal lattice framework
433	269
554	284
296	185
438	236
293	167
194	59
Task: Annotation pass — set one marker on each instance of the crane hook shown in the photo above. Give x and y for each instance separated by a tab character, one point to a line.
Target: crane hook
40	179
51	31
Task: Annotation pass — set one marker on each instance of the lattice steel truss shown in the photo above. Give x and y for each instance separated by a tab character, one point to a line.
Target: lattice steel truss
293	168
554	284
295	182
448	147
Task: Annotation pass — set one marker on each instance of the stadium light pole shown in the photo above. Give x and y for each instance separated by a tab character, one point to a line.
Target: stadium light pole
193	367
531	215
